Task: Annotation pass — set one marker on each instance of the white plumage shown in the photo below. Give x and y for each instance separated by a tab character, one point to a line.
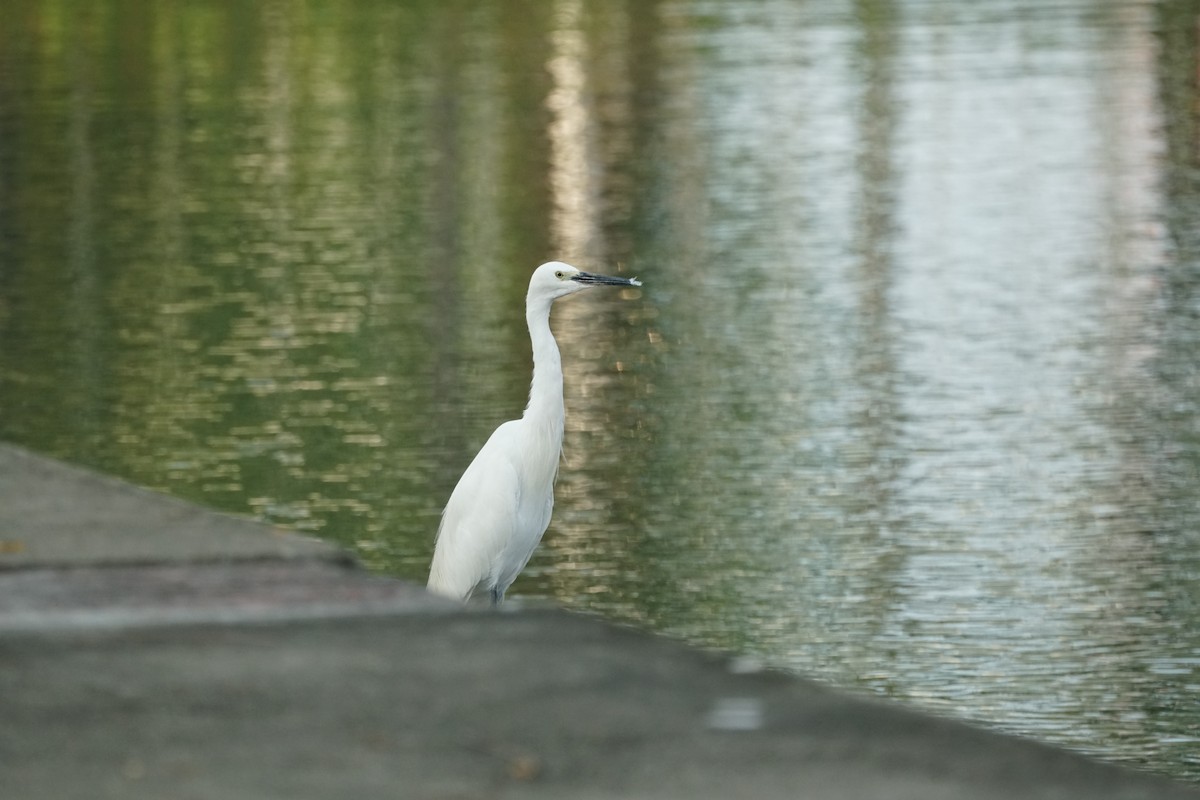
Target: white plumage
501	506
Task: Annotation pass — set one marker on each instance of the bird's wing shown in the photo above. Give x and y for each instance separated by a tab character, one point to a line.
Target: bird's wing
479	520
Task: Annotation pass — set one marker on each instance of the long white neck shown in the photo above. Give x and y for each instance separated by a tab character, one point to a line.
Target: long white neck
546	392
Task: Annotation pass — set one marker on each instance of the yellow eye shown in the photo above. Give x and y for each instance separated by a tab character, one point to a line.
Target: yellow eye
560	274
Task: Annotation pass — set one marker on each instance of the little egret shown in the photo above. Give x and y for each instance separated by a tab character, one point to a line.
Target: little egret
501	506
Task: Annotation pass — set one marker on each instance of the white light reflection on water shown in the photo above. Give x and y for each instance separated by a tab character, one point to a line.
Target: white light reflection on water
571	133
909	344
1008	419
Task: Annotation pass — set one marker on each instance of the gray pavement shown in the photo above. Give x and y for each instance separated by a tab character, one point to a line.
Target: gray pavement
53	514
232	660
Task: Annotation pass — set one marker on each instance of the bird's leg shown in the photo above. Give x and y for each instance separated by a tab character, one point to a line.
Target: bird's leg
497	596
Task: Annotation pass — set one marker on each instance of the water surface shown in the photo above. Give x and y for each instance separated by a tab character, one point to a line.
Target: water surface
908	400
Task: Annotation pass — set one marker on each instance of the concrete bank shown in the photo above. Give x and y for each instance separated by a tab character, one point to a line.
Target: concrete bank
149	648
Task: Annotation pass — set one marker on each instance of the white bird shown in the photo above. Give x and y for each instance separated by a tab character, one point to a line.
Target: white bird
501	506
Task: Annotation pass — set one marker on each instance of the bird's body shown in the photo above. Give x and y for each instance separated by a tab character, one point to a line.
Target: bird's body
501	506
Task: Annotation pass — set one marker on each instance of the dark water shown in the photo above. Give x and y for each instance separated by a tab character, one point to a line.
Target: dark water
910	400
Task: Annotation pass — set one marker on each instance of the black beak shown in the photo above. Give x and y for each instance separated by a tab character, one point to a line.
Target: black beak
592	279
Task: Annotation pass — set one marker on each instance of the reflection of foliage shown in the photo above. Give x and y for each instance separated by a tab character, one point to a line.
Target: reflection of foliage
1178	370
1176	403
229	222
1179	88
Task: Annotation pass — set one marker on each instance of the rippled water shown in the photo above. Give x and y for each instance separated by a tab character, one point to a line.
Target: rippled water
909	398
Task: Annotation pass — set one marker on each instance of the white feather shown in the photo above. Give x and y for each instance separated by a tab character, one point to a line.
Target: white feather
501	506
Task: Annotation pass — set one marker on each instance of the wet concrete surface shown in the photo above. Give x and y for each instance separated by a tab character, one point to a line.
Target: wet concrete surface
56	514
278	669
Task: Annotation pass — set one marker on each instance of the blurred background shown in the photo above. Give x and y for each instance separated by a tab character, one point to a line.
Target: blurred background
909	402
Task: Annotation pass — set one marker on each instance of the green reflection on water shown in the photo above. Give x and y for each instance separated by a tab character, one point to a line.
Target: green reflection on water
908	402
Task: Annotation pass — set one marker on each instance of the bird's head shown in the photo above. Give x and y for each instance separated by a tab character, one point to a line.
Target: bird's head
555	279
